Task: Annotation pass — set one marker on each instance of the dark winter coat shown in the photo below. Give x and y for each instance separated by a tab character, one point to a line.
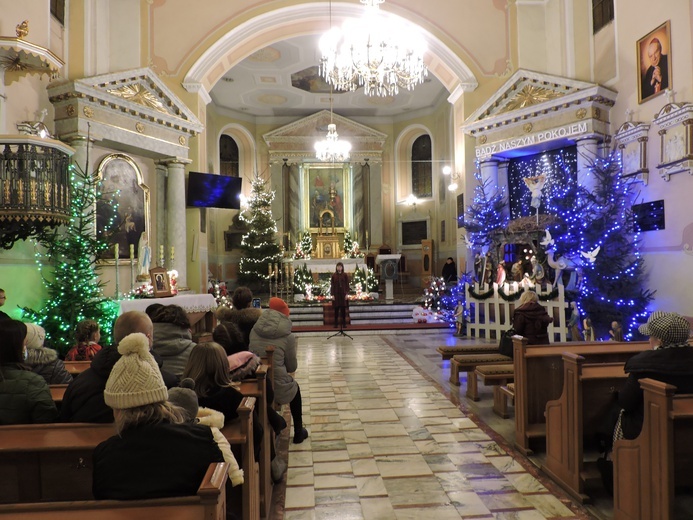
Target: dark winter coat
532	321
224	400
24	397
45	362
173	344
245	320
273	328
672	365
339	288
83	400
450	272
154	461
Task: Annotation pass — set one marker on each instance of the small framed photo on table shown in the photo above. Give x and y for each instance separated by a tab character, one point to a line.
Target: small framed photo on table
654	62
160	282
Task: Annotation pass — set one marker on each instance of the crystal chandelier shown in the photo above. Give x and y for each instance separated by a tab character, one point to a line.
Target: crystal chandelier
331	148
378	52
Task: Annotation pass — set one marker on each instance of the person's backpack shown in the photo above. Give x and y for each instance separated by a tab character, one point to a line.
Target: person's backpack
505	346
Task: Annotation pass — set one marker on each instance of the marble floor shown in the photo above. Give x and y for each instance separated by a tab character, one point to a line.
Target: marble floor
390	440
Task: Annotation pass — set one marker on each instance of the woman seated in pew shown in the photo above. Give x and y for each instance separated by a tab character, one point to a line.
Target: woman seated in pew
24	396
44	361
155	453
88	335
531	319
671	362
243	364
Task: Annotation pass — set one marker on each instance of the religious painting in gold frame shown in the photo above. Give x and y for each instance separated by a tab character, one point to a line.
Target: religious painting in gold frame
160	282
122	211
326	187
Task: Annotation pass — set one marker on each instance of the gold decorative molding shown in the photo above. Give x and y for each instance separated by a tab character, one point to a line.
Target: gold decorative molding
70	110
581	113
181	140
483	139
529	95
140	95
527	127
139	127
22	29
88	112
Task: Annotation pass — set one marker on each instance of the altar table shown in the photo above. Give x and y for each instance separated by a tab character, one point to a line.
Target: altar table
200	308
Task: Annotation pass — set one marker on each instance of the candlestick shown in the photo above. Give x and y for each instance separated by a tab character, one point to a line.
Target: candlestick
116	252
117	273
172	250
132	251
269	267
161	256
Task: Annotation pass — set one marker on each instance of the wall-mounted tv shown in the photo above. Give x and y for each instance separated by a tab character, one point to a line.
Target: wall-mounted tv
206	190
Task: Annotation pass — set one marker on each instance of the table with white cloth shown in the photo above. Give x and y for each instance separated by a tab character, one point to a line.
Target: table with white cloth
199	307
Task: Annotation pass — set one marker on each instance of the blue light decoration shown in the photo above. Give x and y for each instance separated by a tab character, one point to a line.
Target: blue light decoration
454	295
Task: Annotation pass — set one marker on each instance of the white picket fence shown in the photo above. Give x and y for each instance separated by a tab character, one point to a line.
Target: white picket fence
491	317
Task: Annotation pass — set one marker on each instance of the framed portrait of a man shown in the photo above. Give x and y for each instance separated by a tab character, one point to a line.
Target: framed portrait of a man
122	210
654	61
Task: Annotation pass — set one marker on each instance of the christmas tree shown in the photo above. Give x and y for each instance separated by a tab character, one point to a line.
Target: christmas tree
351	247
304	247
259	245
486	214
302	277
74	291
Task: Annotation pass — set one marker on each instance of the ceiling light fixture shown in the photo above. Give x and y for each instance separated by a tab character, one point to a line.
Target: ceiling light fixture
332	148
379	52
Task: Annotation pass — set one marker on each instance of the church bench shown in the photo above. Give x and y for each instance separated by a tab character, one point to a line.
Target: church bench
497	376
647	469
257	387
448	351
239	433
468	363
539	379
57	393
75	368
208	504
580	413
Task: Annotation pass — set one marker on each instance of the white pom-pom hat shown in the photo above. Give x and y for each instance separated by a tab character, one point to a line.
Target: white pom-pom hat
135	379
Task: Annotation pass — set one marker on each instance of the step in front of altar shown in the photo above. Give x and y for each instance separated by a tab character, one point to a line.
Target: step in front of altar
360	314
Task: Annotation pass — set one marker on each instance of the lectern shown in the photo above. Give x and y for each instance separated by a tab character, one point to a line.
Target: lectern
388	272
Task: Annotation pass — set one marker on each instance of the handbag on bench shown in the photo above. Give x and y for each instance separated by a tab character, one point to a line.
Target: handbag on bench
505	346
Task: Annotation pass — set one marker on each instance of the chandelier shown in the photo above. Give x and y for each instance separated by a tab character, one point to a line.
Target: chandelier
377	52
331	148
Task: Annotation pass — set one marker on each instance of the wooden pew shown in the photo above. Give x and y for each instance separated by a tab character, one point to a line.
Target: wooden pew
647	469
208	504
57	392
239	433
497	376
37	460
587	399
448	351
539	379
468	363
257	388
75	368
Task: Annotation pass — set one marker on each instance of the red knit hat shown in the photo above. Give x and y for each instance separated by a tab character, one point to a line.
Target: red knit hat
279	305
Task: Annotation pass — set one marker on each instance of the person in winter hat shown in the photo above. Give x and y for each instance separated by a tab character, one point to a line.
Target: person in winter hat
274	328
185	398
156	453
44	361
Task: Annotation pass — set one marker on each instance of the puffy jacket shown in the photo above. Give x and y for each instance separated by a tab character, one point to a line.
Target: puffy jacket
245	320
173	344
24	397
45	362
532	321
83	400
274	329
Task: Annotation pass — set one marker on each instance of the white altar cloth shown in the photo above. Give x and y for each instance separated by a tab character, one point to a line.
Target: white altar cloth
189	302
328	265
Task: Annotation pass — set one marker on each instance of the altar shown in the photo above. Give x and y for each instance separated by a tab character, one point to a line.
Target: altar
199	307
328	265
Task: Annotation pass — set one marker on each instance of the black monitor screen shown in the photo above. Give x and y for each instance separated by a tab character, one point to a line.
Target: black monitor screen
206	190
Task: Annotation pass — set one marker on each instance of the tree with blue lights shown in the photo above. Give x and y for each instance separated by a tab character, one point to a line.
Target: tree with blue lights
486	214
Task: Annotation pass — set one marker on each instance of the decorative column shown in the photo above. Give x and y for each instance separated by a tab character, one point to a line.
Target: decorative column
175	217
503	184
489	172
587	152
161	173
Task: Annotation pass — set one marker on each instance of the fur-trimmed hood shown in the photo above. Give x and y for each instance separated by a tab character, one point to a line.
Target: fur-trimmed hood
209	417
40	356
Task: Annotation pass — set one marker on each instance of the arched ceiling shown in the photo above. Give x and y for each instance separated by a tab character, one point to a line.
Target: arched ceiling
282	79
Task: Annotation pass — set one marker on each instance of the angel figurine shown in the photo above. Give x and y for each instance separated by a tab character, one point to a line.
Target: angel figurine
535	185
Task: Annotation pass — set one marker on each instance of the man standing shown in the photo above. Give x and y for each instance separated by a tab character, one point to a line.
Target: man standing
656	77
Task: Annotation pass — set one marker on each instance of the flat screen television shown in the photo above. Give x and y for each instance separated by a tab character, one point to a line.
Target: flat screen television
206	190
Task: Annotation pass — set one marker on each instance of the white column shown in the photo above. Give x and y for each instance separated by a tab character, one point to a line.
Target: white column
489	172
161	173
587	152
503	184
175	218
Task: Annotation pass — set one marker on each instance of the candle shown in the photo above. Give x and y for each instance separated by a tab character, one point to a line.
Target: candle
366	235
269	267
356	235
132	251
117	252
161	253
172	250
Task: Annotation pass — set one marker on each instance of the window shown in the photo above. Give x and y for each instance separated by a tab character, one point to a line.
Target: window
421	167
58	10
602	14
228	156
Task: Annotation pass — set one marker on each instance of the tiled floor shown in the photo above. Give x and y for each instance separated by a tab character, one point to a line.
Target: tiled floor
386	443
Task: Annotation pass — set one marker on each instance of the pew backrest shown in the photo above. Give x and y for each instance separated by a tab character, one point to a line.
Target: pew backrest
75	368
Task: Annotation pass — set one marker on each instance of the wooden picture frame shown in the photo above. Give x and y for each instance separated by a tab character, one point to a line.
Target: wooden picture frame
653	56
326	186
160	282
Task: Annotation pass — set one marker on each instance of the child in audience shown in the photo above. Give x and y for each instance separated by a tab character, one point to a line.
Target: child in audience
172	337
155	453
44	361
24	396
88	335
185	398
